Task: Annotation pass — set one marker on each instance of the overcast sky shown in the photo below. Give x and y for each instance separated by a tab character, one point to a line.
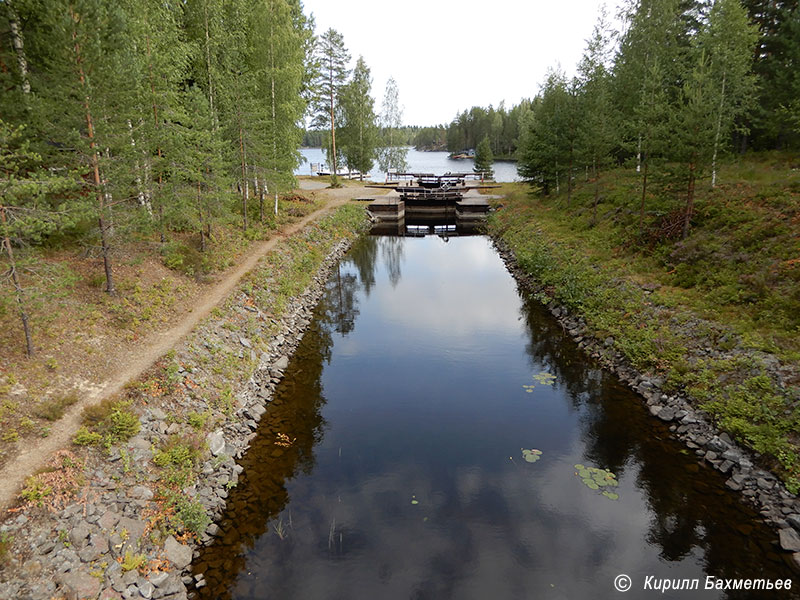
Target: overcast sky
450	56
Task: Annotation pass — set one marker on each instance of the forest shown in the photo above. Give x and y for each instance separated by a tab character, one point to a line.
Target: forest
172	124
681	83
173	121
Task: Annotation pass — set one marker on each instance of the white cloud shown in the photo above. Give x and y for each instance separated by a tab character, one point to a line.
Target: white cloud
447	57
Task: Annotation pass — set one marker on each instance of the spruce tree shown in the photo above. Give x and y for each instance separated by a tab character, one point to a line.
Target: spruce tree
597	130
484	159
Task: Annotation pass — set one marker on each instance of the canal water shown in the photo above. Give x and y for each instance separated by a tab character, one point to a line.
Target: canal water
424	444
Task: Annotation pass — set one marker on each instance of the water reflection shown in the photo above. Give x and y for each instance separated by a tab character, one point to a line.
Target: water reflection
406	480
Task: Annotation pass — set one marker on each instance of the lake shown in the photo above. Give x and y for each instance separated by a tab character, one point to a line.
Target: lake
419	162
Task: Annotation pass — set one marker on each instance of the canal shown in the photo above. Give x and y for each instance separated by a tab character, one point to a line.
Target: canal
437	435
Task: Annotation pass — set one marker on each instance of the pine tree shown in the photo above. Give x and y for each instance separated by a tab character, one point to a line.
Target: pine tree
332	58
25	215
287	36
83	54
359	131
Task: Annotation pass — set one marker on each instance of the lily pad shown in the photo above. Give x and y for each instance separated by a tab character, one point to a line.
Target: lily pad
542	378
531	455
545	378
595	479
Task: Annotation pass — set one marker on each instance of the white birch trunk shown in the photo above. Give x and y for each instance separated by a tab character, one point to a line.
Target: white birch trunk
717	134
144	201
19	47
639	155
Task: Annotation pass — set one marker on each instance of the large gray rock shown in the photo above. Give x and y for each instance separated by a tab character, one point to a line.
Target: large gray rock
216	442
790	540
77	585
666	414
171	585
177	553
109	519
140	492
794	521
78	535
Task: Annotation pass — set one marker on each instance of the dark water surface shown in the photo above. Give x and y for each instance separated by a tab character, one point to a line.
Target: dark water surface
407	480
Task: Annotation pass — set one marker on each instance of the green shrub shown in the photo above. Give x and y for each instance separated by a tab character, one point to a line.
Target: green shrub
112	420
191	514
53	409
84	437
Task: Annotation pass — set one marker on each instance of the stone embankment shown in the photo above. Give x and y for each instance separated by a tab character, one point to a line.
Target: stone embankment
757	486
117	536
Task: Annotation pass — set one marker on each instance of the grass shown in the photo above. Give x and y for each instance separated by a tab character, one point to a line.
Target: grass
733	284
80	333
133	562
52	409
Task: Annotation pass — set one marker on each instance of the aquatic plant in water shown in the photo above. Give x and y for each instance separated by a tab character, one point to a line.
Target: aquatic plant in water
532	455
542	378
598	479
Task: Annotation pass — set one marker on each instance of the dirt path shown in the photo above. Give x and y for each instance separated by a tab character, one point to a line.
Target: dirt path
13	474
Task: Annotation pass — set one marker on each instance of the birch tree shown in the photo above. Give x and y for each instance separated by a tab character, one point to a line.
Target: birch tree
391	154
729	41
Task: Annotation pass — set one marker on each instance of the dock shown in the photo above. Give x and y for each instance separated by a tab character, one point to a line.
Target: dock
425	199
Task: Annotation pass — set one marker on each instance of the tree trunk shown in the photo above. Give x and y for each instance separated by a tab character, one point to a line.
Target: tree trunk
335	171
208	68
161	223
644	194
19	47
689	200
245	190
596	198
260	191
569	175
23	314
202	225
639	155
717	134
144	201
101	208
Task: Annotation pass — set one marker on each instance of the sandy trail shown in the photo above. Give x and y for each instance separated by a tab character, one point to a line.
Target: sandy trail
13	474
